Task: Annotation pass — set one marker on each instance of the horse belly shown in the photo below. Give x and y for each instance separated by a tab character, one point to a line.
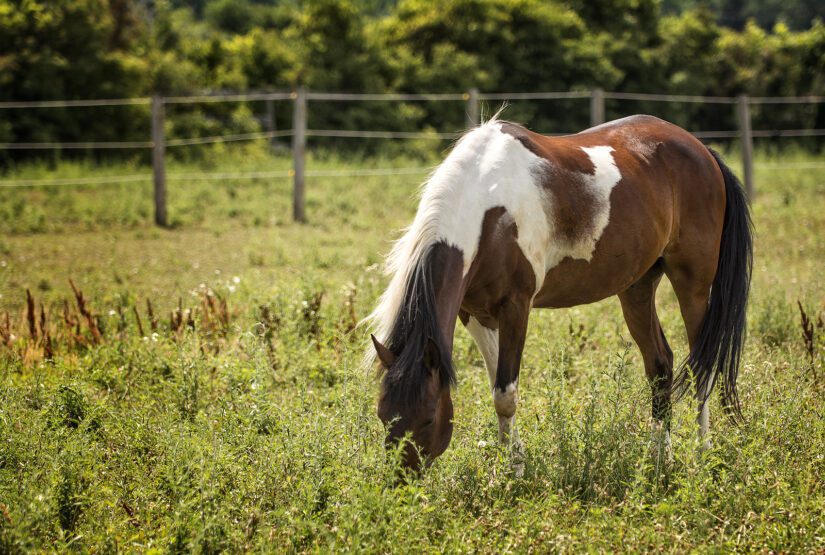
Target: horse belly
577	282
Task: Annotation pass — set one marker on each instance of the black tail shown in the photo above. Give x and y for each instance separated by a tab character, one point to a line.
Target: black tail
718	348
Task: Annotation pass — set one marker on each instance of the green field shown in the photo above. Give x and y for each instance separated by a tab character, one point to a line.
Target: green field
249	426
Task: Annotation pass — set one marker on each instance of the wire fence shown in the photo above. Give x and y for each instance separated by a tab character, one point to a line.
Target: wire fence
299	132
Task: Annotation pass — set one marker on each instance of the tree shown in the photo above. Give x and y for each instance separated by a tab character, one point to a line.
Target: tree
61	49
499	45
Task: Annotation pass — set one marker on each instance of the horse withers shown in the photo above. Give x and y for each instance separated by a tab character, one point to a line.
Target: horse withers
513	220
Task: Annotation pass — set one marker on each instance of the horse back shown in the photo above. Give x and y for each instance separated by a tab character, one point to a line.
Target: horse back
617	197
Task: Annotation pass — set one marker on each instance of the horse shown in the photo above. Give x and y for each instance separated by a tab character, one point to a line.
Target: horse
512	220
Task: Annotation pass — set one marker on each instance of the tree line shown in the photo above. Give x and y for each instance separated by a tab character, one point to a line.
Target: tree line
79	49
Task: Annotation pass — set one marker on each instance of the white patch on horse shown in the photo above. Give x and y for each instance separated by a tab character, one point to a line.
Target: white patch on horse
604	178
506	401
597	187
486	169
487	342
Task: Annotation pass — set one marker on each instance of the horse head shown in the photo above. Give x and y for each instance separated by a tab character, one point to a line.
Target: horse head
418	412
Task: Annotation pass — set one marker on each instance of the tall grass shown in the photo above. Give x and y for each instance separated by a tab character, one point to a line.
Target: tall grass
253	428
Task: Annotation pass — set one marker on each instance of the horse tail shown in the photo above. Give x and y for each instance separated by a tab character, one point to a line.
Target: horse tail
717	351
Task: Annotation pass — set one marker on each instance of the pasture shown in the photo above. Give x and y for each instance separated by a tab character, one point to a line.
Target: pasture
234	416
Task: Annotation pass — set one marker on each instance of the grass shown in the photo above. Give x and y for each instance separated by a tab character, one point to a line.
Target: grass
253	429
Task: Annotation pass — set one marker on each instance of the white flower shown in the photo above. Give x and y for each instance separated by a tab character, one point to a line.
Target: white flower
236	279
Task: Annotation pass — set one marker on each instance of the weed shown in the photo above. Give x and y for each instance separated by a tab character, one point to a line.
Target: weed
70	497
311	315
189	392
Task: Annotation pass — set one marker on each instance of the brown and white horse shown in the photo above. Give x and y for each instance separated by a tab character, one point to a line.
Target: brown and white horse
513	220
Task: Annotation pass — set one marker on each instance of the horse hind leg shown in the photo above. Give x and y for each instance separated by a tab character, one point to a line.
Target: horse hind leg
639	308
691	282
486	340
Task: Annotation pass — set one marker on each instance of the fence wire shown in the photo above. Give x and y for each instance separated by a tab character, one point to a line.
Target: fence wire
473	96
213	176
285	174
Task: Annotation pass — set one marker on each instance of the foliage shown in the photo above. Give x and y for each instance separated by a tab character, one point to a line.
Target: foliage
502	45
70	49
797	14
254	428
117	48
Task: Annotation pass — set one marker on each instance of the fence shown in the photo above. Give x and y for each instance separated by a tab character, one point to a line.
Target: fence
301	98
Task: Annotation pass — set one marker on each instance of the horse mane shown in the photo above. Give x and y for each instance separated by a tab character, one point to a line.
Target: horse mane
416	325
405	318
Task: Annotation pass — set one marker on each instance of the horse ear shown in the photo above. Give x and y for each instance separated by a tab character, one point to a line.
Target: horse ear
432	357
386	356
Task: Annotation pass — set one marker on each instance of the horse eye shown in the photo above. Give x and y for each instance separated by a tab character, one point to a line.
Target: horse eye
428	422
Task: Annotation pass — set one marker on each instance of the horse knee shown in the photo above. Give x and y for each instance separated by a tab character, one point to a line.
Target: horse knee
506	400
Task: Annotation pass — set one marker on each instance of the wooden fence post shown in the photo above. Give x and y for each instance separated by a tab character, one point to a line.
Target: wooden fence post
746	137
473	112
299	128
158	162
596	107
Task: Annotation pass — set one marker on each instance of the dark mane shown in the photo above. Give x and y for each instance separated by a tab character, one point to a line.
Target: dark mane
415	325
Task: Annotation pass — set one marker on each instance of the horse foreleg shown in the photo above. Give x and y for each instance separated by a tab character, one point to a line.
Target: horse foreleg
487	341
512	333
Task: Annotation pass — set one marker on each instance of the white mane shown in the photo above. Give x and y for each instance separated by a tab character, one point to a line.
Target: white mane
440	217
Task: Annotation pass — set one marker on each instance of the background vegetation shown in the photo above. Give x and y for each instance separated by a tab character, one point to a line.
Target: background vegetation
233	416
78	49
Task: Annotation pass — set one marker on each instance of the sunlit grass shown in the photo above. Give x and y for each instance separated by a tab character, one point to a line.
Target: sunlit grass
264	437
